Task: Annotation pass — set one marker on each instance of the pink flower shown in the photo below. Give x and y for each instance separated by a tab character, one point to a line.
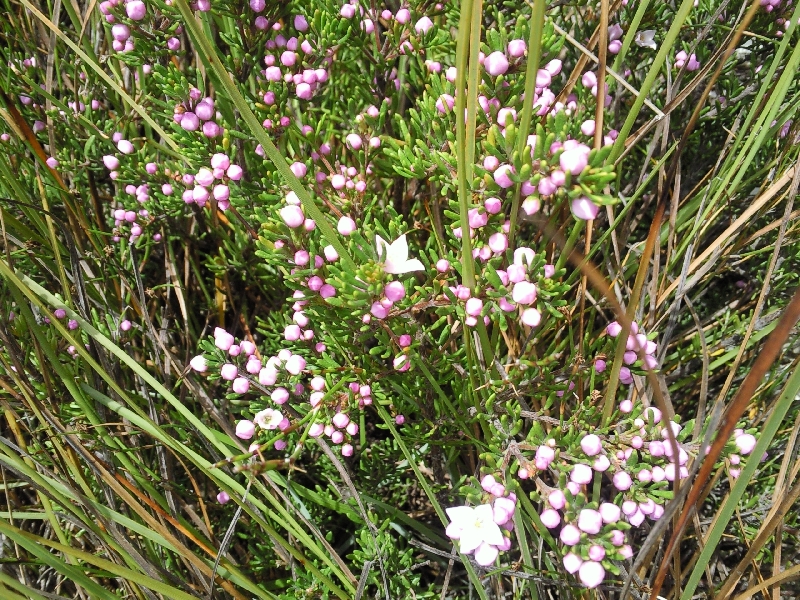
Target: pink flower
473	527
591	444
550	518
557	499
516	48
524	293
292	215
572	562
245	430
496	64
745	443
423	26
581	474
136	10
622	481
584	209
240	385
570	535
590	521
346	226
591	574
502	176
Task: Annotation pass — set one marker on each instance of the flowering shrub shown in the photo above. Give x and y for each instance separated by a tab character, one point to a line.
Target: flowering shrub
380	239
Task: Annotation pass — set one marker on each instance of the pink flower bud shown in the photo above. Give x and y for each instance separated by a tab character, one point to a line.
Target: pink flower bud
524	292
531	317
245	430
293	216
597	552
557	499
622	481
474	307
136	10
745	443
581	474
502	176
584	209
570	535
498	242
353	140
590	521
572	562
279	395
240	385
601	464
550	518
394	291
341	420
516	48
591	444
591	574
610	513
445	103
346	226
496	64
423	26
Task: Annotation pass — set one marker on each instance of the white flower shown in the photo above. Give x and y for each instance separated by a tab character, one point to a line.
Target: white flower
646	39
473	527
268	418
395	255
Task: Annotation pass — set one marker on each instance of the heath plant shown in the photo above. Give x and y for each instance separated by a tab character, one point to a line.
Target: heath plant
337	299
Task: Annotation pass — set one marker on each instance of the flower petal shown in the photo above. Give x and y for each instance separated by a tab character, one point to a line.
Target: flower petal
492	534
398	250
382	246
471	538
404	267
460	514
486	554
453	531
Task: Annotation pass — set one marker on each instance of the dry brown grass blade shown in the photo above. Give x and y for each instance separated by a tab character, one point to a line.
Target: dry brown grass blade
20	126
764	361
789	574
760	202
129	494
772	521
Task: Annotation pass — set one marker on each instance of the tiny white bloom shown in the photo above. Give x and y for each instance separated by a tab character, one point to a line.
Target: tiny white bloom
395	255
473	526
268	418
646	39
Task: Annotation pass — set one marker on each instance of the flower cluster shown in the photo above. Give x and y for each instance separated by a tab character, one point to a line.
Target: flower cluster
484	530
198	112
214	181
637	342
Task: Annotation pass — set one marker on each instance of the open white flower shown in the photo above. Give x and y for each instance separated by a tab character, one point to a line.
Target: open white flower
395	255
268	418
646	39
473	527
